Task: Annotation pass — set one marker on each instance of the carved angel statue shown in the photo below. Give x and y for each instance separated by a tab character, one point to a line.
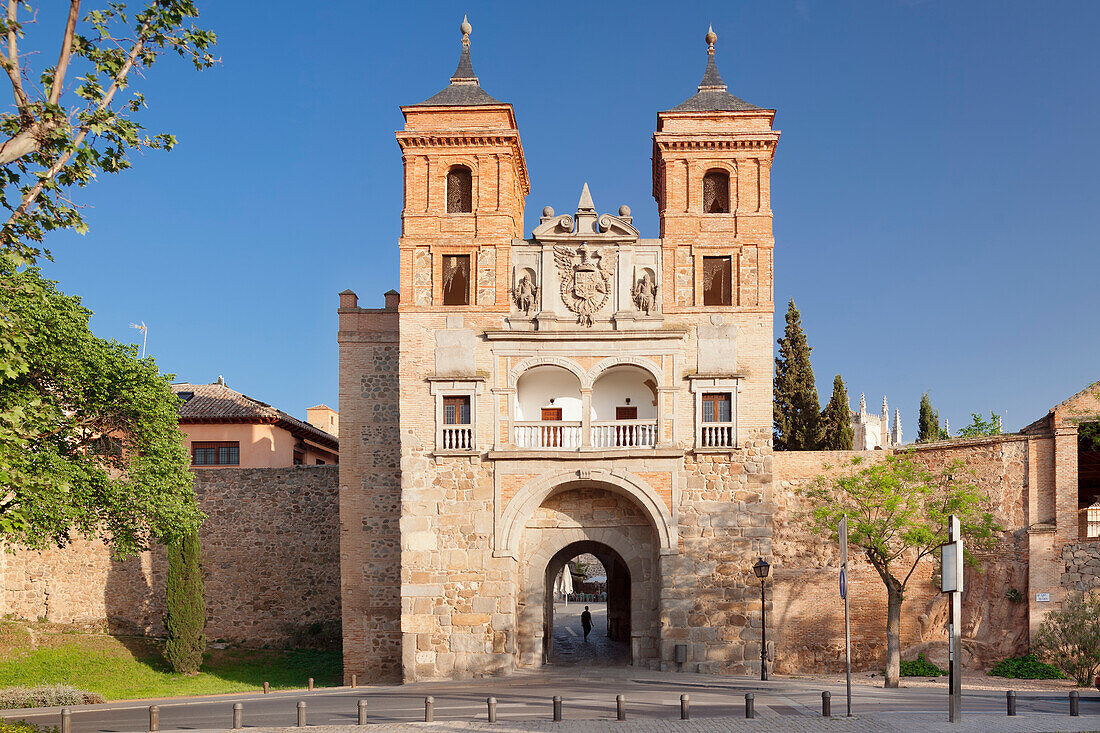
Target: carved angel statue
644	293
525	294
585	279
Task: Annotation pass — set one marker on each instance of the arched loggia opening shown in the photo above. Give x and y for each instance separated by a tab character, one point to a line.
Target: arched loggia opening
608	642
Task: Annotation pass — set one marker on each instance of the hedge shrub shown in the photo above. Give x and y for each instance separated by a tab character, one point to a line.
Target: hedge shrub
920	667
1027	667
45	696
22	726
186	617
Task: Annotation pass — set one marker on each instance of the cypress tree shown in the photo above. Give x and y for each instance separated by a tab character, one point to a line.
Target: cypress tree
797	412
836	421
186	617
928	425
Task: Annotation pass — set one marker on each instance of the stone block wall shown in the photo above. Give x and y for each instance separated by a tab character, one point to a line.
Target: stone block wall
709	595
271	568
370	492
1082	561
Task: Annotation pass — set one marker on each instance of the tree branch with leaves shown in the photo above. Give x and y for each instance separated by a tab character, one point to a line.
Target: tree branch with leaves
898	515
81	118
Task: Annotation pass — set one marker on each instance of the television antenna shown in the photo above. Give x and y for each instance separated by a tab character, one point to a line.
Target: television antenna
145	335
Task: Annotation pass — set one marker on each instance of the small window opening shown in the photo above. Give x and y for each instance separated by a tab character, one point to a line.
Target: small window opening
456	279
716	192
456	410
320	462
716	407
222	453
717	281
460	190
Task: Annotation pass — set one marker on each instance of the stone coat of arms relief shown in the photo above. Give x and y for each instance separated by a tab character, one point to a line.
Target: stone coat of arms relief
585	279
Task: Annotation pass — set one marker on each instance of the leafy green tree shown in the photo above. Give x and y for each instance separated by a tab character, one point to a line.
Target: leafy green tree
979	426
95	447
898	515
69	122
186	617
59	136
836	420
797	412
1070	637
928	423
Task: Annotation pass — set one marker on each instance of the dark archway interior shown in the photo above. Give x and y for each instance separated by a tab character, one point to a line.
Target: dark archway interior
610	638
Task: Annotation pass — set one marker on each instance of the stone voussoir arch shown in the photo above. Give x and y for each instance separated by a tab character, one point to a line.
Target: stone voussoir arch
526	365
641	362
514	518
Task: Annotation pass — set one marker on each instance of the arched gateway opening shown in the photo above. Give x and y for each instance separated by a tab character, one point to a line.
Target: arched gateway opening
575	519
608	602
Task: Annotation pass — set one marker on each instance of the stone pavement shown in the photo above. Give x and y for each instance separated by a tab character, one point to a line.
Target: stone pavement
570	648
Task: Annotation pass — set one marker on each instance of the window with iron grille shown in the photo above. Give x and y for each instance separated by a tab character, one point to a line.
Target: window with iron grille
716	407
717	281
456	279
1092	517
215	453
456	410
460	190
716	192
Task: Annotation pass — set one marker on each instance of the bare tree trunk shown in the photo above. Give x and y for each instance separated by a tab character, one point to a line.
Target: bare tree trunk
893	634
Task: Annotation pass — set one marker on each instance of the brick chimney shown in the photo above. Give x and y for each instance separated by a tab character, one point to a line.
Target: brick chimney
393	298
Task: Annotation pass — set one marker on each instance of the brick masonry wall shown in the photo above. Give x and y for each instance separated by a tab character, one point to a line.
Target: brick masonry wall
809	614
269	560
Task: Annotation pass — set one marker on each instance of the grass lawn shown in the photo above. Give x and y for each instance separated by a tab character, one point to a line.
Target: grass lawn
126	667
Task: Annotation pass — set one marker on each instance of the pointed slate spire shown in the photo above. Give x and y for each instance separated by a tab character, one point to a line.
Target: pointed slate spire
712	95
465	70
712	80
585	204
465	89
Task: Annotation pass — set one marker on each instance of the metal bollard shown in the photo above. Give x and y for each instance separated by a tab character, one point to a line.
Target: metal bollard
1010	698
154	718
826	704
354	681
685	712
491	703
238	714
301	713
620	707
267	688
311	683
429	709
557	708
1075	703
362	712
66	720
750	705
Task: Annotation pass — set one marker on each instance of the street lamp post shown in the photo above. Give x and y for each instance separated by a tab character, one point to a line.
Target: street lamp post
760	569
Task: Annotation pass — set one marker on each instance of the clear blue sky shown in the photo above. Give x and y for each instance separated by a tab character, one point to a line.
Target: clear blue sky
935	189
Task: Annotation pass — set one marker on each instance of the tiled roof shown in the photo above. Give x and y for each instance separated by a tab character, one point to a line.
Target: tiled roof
464	89
217	402
712	95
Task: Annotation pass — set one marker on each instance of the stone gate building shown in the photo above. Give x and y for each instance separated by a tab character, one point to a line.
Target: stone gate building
584	389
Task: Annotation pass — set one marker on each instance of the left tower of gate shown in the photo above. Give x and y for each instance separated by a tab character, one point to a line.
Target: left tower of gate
465	183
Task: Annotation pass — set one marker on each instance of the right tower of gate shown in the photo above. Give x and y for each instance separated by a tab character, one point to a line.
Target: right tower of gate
712	158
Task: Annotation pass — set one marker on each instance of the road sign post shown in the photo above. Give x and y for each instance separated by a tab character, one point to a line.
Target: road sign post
951	582
844	594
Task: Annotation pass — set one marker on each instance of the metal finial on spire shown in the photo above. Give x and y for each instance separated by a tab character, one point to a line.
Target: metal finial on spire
710	38
466	29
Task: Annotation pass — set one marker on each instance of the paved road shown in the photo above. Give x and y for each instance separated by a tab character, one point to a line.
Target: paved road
570	646
589	693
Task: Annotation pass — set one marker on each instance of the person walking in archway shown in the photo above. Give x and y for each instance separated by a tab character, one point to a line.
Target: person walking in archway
586	622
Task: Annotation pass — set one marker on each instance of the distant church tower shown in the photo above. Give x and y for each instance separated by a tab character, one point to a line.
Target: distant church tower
873	431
